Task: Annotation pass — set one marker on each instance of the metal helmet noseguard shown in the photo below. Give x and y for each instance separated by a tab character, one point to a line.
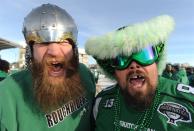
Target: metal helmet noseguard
49	23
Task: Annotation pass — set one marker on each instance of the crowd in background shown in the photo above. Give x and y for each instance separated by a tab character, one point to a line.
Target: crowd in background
177	72
180	73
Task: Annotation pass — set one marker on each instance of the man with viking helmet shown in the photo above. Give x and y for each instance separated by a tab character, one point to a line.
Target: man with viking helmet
142	100
55	91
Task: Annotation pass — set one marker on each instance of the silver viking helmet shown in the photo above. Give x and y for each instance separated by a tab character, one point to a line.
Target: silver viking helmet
49	23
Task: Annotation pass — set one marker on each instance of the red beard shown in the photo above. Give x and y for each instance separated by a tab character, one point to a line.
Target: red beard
52	92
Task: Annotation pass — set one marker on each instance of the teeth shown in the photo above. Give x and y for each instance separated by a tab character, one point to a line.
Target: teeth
55	62
136	76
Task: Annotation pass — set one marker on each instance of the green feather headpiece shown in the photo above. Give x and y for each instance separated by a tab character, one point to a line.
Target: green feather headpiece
130	39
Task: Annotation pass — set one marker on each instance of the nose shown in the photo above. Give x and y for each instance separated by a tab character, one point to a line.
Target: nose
134	65
53	49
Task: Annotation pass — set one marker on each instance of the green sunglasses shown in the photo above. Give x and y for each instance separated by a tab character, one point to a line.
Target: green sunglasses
145	57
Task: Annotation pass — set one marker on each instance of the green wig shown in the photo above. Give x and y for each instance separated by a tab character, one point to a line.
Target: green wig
130	39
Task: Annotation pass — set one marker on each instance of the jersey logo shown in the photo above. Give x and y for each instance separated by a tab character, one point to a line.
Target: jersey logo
109	103
174	112
185	88
132	126
57	116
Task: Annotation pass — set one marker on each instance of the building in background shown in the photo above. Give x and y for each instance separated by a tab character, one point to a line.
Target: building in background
21	61
83	57
7	44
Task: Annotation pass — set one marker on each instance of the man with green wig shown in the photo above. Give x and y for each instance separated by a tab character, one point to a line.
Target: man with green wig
141	100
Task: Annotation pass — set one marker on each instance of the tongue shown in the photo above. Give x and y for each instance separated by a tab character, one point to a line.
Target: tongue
137	82
56	68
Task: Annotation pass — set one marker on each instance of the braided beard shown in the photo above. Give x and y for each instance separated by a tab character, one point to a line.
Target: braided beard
52	92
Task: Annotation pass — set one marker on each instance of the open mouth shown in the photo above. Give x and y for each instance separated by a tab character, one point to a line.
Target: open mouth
56	69
136	80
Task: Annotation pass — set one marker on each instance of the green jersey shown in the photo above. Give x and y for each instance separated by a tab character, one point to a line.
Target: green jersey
172	110
3	75
181	76
18	110
191	80
167	74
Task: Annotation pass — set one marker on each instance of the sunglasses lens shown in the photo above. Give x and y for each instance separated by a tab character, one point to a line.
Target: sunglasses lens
120	62
146	57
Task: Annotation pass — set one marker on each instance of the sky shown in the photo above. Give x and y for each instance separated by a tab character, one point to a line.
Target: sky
97	17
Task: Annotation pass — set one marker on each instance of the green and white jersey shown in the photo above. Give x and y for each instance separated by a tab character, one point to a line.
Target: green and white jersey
18	110
174	110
